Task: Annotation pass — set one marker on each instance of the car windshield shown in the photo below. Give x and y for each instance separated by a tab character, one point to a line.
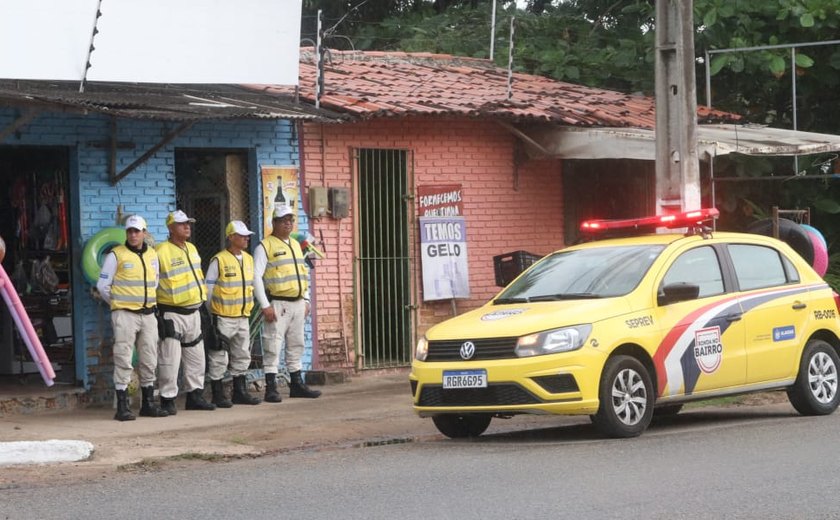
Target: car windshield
600	272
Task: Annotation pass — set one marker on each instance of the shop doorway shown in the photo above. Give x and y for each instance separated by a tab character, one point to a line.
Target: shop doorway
35	224
213	186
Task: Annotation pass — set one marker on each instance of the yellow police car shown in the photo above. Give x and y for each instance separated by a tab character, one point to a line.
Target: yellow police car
624	328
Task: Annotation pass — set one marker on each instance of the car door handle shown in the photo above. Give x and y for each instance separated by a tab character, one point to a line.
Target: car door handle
734	317
798	306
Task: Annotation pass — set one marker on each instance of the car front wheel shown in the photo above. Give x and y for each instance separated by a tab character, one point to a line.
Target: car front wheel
460	426
815	391
626	398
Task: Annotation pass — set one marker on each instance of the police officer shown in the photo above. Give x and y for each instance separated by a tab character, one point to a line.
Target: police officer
127	282
282	289
230	284
180	294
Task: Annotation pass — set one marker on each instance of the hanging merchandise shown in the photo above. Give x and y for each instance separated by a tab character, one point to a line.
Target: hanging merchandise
64	234
45	224
17	196
43	276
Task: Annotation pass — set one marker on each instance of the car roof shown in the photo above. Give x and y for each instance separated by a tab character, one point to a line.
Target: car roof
669	238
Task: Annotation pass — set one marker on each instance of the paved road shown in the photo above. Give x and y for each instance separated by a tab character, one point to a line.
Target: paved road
760	462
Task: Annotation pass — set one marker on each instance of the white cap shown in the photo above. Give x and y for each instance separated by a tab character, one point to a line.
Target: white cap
282	211
135	222
179	217
237	227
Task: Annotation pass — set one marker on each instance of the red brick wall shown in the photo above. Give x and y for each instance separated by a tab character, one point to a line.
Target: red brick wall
506	208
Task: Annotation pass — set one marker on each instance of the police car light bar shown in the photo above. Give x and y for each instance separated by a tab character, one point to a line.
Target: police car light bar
673	220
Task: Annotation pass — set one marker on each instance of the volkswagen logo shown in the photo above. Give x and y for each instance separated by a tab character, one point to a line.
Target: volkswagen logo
467	350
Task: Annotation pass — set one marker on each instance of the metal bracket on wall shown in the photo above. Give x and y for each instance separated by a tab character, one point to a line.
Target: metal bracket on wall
18	123
112	166
527	139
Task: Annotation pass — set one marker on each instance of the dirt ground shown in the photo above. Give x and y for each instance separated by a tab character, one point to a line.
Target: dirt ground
364	412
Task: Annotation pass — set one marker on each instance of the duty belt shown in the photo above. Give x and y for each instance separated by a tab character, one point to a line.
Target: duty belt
144	310
285	298
177	310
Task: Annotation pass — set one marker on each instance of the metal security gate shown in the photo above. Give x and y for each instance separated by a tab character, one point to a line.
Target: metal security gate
384	295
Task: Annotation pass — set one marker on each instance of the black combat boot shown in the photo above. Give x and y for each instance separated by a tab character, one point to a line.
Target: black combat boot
149	407
297	388
168	405
271	395
195	401
240	392
123	413
219	398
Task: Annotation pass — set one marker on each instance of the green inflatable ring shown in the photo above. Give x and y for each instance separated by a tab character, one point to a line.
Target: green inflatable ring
99	245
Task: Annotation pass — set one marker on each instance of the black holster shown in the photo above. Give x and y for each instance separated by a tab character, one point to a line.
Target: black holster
166	328
208	331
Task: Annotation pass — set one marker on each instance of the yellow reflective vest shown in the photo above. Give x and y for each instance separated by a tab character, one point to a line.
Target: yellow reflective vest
233	294
285	272
133	286
181	278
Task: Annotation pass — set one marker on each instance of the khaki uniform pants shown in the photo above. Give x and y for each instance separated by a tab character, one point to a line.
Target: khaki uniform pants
172	355
134	329
237	332
286	331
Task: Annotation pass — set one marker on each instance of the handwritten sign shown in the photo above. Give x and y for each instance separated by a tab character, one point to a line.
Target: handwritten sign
443	244
441	200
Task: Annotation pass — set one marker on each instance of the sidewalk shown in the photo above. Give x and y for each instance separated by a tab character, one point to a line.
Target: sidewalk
367	409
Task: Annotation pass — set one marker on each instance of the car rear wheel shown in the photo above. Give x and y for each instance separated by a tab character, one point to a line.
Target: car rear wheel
815	391
626	396
461	426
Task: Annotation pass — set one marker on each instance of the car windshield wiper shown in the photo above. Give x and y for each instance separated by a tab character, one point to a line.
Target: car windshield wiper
503	301
564	296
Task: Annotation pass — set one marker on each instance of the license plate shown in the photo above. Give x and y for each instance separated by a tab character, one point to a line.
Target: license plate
465	379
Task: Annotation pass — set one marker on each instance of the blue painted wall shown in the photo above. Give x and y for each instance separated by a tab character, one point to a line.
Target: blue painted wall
148	190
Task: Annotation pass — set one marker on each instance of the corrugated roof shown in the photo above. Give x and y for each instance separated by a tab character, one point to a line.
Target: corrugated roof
158	101
393	84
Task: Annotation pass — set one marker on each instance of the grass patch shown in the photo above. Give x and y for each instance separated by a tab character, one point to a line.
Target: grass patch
717	401
238	440
191	455
750	399
158	464
142	465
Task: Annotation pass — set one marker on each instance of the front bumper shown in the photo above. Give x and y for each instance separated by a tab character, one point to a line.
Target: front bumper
564	383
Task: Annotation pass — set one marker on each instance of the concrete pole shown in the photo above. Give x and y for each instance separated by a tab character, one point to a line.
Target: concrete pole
677	165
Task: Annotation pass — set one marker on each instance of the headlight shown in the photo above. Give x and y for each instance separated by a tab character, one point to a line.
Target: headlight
422	349
553	341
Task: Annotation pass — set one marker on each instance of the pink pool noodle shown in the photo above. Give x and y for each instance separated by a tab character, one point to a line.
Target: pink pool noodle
24	325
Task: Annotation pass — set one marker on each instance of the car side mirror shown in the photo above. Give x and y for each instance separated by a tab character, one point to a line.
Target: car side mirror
678	292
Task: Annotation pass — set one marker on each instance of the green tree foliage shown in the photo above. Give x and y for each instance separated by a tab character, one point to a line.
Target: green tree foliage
758	83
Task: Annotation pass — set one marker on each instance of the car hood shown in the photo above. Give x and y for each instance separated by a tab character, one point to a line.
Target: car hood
491	321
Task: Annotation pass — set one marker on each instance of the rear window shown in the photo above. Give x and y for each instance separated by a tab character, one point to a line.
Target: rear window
757	266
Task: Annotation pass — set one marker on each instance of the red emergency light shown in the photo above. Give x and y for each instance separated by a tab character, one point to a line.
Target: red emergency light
671	220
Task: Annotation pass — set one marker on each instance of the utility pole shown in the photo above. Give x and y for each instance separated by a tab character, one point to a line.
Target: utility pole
677	165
